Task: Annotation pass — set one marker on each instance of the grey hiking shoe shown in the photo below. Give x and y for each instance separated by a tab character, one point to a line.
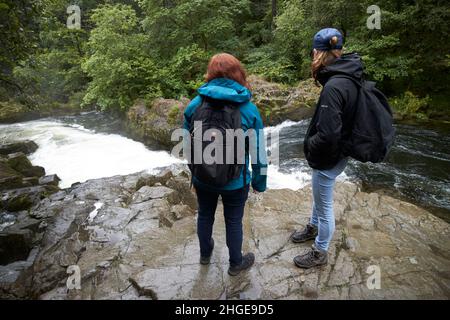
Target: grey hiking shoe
309	233
207	260
247	262
313	258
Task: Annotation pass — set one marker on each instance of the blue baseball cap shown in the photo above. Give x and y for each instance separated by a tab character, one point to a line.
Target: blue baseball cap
322	39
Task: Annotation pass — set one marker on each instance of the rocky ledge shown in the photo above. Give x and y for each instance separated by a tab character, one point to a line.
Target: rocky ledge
22	187
134	237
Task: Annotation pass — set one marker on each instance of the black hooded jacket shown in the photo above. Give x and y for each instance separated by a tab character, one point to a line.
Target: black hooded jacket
333	117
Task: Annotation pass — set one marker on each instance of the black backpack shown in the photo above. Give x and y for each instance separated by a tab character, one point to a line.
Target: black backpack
373	131
218	115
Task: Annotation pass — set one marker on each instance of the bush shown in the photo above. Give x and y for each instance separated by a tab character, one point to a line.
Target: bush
267	65
410	105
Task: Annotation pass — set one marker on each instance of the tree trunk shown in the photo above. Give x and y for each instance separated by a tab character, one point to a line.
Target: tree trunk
274	12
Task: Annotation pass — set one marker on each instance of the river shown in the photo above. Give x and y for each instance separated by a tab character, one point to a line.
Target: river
93	145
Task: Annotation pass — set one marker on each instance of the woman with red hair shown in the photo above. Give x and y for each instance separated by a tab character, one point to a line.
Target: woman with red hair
224	102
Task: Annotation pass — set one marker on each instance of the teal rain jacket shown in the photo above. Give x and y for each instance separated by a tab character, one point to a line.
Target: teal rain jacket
227	89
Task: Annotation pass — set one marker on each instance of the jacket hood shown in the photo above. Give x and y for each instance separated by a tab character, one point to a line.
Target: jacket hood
348	64
225	89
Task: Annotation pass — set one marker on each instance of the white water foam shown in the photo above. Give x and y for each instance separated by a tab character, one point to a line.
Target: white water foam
77	154
276	179
296	178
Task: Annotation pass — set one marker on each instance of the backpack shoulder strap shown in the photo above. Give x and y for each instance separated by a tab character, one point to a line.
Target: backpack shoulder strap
359	84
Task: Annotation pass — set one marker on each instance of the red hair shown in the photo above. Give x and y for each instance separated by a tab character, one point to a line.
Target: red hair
224	65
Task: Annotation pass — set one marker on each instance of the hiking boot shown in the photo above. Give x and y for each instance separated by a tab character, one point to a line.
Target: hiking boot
207	260
309	233
313	258
247	262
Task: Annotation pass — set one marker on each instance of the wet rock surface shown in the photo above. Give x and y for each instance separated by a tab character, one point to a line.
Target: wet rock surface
22	185
22	189
134	237
26	147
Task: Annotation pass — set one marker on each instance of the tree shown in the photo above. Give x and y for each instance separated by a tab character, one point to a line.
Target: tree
210	24
119	62
18	34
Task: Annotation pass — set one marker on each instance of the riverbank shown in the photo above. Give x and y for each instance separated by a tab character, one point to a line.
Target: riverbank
153	121
133	237
14	111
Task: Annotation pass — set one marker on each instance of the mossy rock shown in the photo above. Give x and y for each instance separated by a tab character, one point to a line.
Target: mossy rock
155	122
19	203
278	103
26	147
9	178
19	162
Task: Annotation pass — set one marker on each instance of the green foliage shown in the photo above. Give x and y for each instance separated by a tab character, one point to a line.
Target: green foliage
263	62
120	69
411	105
293	34
185	71
210	24
18	34
52	74
134	49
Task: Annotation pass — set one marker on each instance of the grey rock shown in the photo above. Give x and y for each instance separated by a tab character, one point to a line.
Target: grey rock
146	247
52	179
24	198
147	193
58	196
350	244
180	211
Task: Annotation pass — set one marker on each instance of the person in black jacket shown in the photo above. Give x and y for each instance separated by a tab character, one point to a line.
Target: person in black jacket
330	125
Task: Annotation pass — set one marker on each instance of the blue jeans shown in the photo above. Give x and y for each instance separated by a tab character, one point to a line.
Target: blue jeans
322	213
233	204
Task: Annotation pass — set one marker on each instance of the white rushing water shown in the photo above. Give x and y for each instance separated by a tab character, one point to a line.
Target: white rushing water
77	154
294	179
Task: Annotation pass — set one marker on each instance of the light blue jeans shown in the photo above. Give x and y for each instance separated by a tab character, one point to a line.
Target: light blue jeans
322	214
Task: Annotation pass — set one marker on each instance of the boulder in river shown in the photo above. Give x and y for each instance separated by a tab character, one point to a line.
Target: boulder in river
26	147
134	237
278	103
22	185
155	121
